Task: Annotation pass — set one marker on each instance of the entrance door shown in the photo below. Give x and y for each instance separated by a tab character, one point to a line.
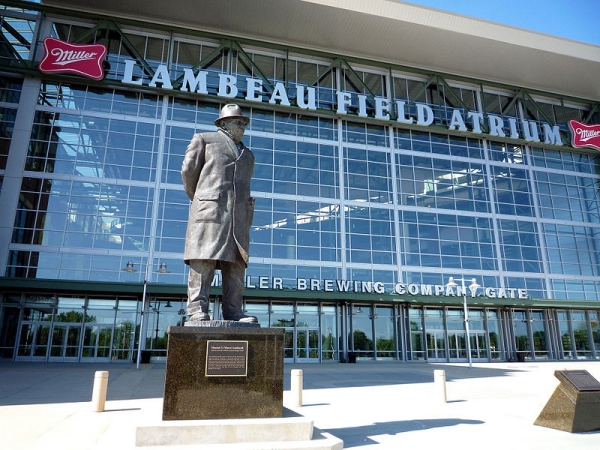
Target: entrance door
34	338
307	345
97	338
458	346
436	346
479	350
65	342
288	345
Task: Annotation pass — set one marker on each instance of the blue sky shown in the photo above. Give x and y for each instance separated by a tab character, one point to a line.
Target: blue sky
571	19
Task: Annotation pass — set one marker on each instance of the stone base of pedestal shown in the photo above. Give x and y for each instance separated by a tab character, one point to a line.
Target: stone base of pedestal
243	434
223	373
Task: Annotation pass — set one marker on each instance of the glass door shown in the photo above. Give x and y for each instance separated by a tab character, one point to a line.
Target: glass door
521	332
33	341
415	325
479	349
436	346
64	346
307	345
96	342
538	333
288	345
457	346
435	334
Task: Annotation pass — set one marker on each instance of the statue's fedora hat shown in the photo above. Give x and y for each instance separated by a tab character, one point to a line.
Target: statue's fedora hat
231	112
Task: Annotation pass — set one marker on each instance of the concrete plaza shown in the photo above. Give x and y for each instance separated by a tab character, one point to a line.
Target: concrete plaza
379	405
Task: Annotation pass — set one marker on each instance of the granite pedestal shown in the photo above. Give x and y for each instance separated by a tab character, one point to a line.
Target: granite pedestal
209	380
575	404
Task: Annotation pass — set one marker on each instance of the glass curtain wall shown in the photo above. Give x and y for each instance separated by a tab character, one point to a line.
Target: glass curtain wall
332	195
595	329
71	328
576	339
311	329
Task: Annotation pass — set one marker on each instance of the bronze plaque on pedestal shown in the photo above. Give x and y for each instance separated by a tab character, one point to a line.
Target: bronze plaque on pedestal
226	359
582	380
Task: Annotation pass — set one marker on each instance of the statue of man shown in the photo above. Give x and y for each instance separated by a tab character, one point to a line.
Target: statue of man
216	173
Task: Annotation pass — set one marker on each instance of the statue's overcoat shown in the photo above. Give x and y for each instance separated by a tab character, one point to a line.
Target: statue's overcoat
216	177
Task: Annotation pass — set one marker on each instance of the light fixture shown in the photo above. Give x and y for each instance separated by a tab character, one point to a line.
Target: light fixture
129	267
163	268
168	305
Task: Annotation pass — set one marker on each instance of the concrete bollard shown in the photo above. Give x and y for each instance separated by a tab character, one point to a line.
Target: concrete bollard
296	387
439	378
100	389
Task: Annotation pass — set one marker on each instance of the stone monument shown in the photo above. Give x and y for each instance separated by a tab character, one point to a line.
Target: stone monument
230	368
575	404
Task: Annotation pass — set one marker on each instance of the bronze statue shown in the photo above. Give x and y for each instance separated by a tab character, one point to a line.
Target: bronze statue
216	173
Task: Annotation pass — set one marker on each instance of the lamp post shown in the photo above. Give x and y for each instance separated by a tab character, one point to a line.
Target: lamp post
472	287
130	267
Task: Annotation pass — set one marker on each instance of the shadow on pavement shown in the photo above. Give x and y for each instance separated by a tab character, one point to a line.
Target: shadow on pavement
27	383
359	436
324	376
23	383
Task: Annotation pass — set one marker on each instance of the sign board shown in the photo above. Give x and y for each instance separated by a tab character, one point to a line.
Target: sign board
65	57
226	358
584	135
582	380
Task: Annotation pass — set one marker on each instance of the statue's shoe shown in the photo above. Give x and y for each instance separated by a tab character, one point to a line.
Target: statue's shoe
243	318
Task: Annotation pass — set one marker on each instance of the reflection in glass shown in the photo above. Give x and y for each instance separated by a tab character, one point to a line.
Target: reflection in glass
329	333
521	331
417	338
384	332
361	339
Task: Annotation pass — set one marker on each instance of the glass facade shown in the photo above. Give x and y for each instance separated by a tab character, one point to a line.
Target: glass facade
349	206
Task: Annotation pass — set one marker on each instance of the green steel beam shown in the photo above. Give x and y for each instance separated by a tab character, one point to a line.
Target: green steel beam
329	69
596	108
246	58
206	61
425	86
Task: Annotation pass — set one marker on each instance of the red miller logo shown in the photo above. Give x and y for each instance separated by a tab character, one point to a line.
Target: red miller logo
64	57
585	135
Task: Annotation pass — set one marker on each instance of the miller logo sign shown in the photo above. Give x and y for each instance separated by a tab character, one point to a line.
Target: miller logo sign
64	57
585	135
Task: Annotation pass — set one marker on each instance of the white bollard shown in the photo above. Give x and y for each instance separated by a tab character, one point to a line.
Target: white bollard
99	392
296	387
439	378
